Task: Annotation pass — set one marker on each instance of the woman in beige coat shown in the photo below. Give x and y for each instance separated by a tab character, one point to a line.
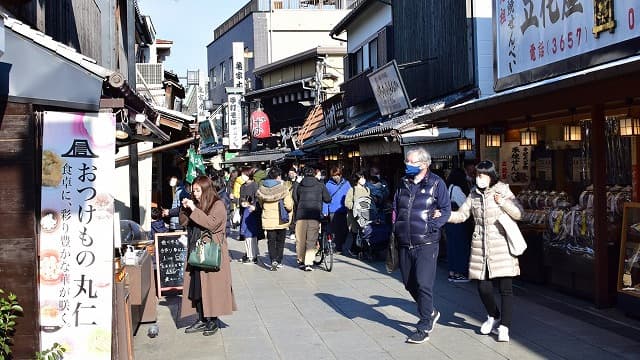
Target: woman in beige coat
208	292
490	257
275	221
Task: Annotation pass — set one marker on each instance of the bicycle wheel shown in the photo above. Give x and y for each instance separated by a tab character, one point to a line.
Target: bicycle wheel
320	253
328	253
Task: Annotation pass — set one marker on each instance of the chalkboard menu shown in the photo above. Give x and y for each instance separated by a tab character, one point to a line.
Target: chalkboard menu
171	254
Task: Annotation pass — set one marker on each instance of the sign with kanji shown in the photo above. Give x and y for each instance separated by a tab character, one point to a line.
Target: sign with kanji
534	33
515	163
234	120
76	233
237	70
388	89
333	112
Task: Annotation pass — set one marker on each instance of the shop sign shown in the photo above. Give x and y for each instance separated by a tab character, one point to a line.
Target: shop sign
544	169
234	120
238	66
515	163
207	132
260	127
333	113
389	89
538	36
76	233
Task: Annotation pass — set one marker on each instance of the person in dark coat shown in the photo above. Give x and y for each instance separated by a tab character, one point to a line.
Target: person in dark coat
157	224
419	195
207	293
308	198
250	227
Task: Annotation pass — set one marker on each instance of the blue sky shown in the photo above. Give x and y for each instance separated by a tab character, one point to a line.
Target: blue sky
190	24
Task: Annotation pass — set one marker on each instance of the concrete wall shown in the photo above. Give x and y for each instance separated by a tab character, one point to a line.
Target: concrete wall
482	11
294	31
220	51
369	23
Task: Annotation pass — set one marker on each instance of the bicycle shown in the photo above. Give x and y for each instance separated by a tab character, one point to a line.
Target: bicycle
327	247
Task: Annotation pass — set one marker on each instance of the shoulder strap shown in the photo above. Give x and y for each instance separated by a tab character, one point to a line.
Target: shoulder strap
339	187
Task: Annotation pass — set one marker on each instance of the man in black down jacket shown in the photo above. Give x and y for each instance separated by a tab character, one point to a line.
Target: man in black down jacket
308	198
419	194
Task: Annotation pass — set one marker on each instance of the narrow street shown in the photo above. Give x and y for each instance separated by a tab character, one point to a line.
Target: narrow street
359	311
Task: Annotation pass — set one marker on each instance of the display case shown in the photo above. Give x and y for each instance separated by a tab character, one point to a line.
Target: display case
629	265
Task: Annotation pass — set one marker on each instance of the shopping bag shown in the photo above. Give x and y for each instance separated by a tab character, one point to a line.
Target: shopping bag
515	240
392	262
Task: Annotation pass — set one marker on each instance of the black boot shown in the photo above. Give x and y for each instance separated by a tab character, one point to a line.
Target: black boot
211	326
200	324
197	326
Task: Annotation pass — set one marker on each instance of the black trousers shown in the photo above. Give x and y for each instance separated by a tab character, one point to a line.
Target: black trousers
485	289
275	243
418	269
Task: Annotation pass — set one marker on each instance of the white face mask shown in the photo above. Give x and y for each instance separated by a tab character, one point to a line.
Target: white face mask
244	177
173	182
362	181
483	182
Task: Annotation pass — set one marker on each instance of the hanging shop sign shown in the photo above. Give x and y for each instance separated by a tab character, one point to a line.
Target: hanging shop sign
76	233
389	90
238	65
515	163
333	113
234	120
260	127
207	132
538	39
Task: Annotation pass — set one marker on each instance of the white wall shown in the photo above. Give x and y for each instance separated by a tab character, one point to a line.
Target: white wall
368	23
121	192
294	31
482	12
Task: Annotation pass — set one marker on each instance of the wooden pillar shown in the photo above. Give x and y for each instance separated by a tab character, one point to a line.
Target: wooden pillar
134	187
601	241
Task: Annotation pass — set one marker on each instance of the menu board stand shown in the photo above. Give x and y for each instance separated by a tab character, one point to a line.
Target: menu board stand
171	255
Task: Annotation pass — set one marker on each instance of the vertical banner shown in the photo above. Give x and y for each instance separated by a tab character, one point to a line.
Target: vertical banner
76	233
234	121
237	72
515	163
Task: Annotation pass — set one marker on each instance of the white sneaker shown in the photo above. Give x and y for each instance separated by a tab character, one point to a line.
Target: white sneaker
489	325
503	333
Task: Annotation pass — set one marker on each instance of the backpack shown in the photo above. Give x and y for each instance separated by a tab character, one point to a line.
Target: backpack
364	210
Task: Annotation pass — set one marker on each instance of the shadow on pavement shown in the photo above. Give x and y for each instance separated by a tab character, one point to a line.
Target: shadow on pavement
353	309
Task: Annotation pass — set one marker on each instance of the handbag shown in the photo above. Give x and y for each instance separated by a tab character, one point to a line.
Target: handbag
515	240
284	214
206	255
392	262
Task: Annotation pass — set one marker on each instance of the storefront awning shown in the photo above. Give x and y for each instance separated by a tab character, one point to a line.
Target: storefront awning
369	130
256	157
332	136
39	70
604	84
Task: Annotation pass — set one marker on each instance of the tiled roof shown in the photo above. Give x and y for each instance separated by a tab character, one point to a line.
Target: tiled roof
313	125
65	51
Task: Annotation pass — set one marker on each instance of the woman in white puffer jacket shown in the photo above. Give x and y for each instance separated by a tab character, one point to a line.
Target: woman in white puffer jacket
490	257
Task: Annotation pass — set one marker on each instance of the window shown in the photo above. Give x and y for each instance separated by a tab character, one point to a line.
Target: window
223	73
373	53
359	64
213	76
230	70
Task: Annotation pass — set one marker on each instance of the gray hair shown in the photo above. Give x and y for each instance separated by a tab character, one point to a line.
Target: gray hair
422	155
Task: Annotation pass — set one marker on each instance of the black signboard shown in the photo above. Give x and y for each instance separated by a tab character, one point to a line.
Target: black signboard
171	254
333	112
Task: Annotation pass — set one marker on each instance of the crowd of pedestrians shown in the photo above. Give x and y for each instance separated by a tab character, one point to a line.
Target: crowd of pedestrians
269	204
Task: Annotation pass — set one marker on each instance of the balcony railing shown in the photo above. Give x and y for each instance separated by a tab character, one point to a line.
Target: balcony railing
152	74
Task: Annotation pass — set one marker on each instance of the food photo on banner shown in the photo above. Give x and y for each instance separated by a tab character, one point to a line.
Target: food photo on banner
76	233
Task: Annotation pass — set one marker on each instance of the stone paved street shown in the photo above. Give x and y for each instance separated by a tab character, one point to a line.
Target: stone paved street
358	311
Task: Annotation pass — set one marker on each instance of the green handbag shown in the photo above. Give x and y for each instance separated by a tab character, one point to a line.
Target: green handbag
206	255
